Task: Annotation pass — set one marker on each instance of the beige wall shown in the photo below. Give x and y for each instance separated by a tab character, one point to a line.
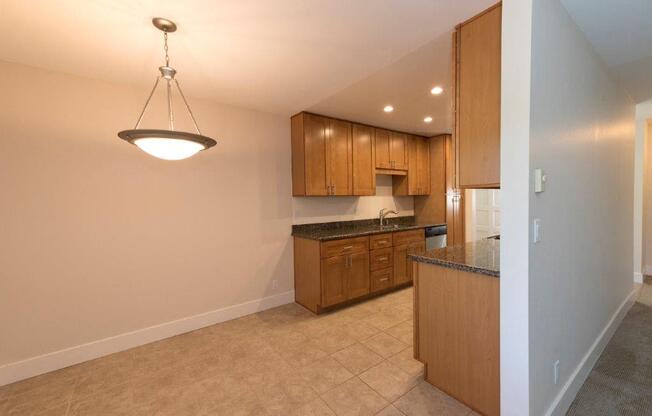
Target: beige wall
643	190
582	135
647	204
99	239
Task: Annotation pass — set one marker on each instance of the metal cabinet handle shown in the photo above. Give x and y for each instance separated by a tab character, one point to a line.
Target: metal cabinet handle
384	279
347	247
382	259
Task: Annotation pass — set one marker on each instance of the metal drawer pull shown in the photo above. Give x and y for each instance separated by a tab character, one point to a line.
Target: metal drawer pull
381	259
347	248
384	279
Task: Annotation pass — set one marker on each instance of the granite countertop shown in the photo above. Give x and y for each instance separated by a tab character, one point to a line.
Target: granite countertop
482	256
348	229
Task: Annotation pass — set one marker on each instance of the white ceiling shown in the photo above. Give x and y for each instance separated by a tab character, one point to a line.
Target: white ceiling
621	33
347	58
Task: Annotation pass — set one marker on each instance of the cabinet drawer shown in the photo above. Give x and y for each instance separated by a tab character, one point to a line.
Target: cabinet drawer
381	259
380	241
343	247
405	237
382	279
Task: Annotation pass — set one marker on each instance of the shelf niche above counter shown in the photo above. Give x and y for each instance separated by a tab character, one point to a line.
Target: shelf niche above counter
333	157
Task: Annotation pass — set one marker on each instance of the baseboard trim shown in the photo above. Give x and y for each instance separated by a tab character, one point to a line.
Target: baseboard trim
638	277
565	398
20	370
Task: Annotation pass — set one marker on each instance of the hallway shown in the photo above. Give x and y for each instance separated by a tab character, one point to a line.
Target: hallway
621	381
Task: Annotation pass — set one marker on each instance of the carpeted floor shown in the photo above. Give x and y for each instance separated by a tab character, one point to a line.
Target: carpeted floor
620	384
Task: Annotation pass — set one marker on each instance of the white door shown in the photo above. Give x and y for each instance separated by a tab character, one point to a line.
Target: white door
483	215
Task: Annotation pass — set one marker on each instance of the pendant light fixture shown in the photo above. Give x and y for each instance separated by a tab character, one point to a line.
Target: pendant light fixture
168	144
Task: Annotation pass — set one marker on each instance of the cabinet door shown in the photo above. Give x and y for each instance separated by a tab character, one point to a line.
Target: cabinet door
414	175
338	157
364	159
399	150
382	279
358	283
314	131
383	145
478	107
423	165
333	280
400	264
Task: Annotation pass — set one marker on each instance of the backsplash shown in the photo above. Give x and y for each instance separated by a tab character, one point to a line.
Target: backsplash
307	210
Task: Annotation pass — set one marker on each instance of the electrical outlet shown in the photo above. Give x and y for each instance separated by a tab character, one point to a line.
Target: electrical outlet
555	371
274	284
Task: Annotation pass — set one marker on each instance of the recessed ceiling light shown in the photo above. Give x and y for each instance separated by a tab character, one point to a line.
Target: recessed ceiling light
427	119
388	109
436	90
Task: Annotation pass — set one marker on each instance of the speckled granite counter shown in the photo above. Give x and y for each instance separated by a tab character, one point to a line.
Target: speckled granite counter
348	229
482	256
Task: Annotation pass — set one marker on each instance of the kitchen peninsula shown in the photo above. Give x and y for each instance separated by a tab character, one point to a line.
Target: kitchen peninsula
456	294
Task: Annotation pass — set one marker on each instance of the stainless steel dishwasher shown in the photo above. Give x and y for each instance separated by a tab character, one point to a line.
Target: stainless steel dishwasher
436	237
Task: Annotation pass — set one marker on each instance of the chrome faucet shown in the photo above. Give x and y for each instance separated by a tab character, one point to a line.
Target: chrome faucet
383	213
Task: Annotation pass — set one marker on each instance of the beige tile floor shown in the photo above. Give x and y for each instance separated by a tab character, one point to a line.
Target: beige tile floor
284	361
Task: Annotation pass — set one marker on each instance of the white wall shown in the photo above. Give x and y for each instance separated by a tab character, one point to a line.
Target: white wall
515	351
642	192
327	209
100	239
582	136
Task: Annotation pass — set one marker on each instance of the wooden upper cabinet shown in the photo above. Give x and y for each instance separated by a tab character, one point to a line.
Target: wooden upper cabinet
383	149
419	166
316	169
364	157
339	157
417	181
391	149
321	156
478	55
399	150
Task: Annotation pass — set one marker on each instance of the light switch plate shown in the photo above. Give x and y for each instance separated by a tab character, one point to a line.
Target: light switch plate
539	180
536	230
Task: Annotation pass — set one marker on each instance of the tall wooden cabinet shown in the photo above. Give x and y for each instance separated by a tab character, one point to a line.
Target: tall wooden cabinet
445	203
322	160
478	54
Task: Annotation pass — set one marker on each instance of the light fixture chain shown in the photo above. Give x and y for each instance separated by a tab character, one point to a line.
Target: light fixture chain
165	48
183	97
170	112
142	113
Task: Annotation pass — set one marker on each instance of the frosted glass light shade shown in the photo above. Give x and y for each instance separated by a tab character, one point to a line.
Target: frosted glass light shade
168	149
167	144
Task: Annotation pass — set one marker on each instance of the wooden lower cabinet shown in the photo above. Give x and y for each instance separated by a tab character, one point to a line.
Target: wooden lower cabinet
357	276
457	316
382	279
410	242
333	272
333	280
344	278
